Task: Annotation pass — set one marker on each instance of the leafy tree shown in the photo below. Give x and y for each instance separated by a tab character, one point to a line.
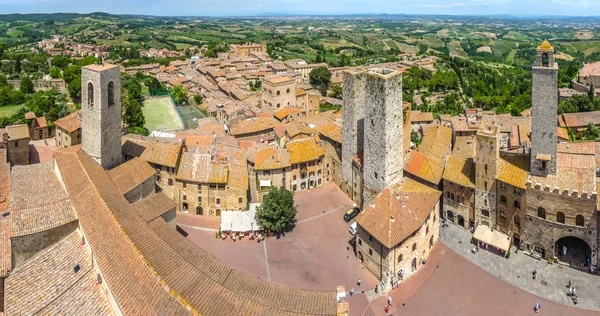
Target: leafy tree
324	107
198	98
26	85
319	77
591	133
3	81
55	72
590	93
414	138
575	103
74	88
277	212
153	85
133	114
336	91
179	94
134	90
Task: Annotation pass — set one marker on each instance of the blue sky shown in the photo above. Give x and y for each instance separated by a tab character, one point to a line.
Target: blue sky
251	7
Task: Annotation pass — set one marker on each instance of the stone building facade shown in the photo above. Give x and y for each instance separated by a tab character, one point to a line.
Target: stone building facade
543	108
353	116
101	113
459	191
68	130
486	170
278	92
16	139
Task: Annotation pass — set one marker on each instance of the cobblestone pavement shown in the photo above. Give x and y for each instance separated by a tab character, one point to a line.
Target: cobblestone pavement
550	283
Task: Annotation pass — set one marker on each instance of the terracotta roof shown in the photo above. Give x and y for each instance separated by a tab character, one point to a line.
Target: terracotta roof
4	182
514	170
5	248
464	147
304	150
562	133
70	122
20	131
131	173
332	131
427	162
300	92
280	79
590	69
579	120
358	159
573	172
47	284
40	122
44	217
30	115
208	125
160	151
283	113
35	185
197	166
271	158
398	211
460	171
280	130
154	206
253	125
418	116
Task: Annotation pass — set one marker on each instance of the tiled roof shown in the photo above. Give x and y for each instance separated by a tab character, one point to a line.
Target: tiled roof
590	69
160	151
20	131
271	158
5	248
418	116
464	147
253	125
40	122
562	133
47	284
280	79
427	162
154	206
283	113
44	217
304	150
579	120
131	173
573	172
34	186
460	171
197	166
398	211
514	170
332	131
208	125
4	182
30	115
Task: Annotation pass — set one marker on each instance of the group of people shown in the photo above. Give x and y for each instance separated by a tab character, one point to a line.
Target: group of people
573	293
389	300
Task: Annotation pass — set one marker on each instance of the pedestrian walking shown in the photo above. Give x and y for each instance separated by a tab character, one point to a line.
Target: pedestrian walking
351	291
537	306
570	291
358	282
390	300
477	248
574	292
569	286
376	288
387	309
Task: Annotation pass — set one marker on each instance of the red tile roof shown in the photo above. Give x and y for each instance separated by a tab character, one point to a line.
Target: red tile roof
70	122
131	173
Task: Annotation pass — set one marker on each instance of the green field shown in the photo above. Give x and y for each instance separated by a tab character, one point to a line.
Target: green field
9	110
511	56
586	47
457	50
161	115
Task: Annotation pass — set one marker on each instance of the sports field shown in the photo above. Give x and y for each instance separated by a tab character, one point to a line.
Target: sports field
161	115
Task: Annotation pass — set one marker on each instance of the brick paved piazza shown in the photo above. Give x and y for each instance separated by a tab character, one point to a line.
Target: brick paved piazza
316	255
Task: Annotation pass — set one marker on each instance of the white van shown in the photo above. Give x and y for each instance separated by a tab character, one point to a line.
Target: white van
352	228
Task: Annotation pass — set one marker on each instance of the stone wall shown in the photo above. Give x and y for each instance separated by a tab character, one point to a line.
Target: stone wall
353	92
383	149
65	139
286	97
142	191
101	122
211	198
18	152
507	211
459	200
25	247
543	124
43	85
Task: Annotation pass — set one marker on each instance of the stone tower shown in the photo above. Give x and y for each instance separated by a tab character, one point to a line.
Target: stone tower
101	113
544	109
486	169
383	161
353	115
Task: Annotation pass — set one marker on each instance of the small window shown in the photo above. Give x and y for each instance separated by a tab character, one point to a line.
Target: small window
199	199
199	187
502	215
360	242
486	169
170	181
370	238
414	247
184	197
218	201
400	258
541	212
184	184
376	175
240	200
579	221
427	230
517	205
485	213
111	93
560	217
90	93
16	143
157	178
517	221
370	252
288	90
503	199
278	92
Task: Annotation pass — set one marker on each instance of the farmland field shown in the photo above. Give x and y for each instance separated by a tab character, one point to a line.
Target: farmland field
9	110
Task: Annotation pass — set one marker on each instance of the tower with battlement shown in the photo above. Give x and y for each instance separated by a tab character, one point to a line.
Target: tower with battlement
101	113
487	147
544	109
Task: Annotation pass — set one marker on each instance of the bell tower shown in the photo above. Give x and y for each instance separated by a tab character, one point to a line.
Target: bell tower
101	113
544	103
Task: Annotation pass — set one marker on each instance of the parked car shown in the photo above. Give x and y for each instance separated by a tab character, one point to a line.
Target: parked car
352	228
352	213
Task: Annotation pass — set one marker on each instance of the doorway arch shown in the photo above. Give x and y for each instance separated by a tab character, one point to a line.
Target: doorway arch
461	221
414	264
360	256
574	251
218	213
199	210
450	216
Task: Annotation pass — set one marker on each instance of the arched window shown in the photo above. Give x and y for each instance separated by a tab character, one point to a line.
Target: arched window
560	217
111	93
400	258
517	221
579	221
90	93
541	212
414	247
545	59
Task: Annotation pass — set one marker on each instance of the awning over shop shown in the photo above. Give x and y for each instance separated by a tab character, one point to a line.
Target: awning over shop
240	221
492	237
265	183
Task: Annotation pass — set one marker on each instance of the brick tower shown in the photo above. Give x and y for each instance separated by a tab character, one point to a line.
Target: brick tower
101	113
544	108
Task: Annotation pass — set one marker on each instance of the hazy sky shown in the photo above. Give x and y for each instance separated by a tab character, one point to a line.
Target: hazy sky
251	7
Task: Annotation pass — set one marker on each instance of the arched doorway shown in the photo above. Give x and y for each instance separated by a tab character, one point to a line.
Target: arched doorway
360	256
431	242
218	213
516	240
450	216
461	221
414	264
573	250
199	210
184	207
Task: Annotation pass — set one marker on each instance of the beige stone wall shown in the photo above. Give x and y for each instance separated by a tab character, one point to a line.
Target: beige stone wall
306	175
211	198
165	179
356	193
459	200
65	139
313	104
278	177
35	133
18	152
511	203
141	191
279	96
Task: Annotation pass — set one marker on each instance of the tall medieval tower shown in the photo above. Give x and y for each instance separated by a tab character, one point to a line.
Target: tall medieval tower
101	113
372	120
486	169
544	108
